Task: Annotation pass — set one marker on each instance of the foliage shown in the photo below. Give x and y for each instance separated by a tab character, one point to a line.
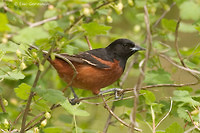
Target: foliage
65	24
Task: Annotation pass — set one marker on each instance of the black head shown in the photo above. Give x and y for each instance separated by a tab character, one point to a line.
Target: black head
122	49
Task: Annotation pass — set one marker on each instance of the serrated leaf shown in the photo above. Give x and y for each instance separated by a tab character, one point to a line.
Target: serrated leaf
174	128
94	28
149	97
23	91
189	10
183	114
73	109
159	76
184	96
169	24
157	108
53	96
13	75
29	35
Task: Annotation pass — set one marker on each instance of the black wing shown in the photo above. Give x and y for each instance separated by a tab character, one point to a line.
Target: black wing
86	58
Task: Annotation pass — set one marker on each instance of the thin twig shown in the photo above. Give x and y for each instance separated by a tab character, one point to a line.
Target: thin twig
108	122
35	118
192	120
191	129
51	19
181	67
15	14
163	15
32	93
141	76
88	42
116	117
170	109
16	120
176	44
153	119
82	16
2	105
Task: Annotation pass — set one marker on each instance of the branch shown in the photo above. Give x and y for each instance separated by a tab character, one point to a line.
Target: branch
176	44
88	42
196	126
163	15
170	109
2	105
181	67
108	122
51	19
116	117
32	93
141	76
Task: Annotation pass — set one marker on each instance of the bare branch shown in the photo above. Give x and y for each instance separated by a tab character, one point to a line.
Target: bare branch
32	93
88	42
51	19
141	76
170	109
176	44
196	126
116	117
2	105
108	120
163	15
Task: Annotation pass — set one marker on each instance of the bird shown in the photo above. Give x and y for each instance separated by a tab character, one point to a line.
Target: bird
95	69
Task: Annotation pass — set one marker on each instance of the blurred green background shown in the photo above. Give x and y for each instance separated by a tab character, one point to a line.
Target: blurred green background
65	24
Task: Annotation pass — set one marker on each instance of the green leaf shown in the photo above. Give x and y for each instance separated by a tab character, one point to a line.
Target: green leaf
13	75
159	76
29	35
3	23
184	96
94	28
50	25
183	114
189	10
53	130
169	24
73	109
51	95
149	97
174	128
23	91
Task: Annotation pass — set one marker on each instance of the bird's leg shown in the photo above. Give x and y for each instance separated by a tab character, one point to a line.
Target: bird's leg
75	99
115	90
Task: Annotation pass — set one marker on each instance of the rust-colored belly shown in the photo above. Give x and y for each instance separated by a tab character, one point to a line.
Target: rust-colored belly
88	77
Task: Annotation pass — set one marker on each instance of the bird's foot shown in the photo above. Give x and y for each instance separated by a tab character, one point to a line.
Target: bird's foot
74	101
116	92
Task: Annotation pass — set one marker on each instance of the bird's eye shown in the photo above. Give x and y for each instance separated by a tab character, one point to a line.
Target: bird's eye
125	44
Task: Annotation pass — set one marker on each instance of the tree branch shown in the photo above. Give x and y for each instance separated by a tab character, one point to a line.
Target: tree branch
2	105
32	93
116	117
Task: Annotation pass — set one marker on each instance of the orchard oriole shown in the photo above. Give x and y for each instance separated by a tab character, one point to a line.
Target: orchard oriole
95	68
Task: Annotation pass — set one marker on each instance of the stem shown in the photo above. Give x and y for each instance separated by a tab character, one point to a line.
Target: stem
23	125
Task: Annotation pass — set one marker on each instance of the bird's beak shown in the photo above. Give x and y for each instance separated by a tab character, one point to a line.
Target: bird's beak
137	48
